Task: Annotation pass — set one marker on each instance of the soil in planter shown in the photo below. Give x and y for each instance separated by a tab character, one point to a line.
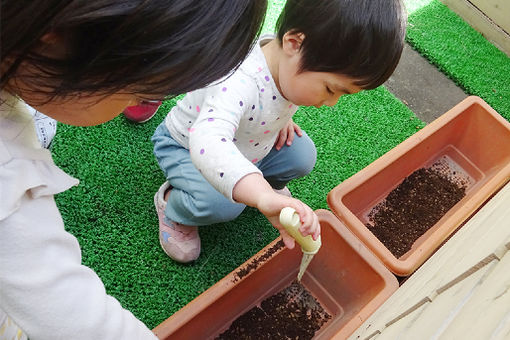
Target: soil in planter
255	263
415	206
292	313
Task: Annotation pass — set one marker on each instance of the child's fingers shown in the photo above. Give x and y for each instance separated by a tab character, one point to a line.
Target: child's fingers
290	136
310	224
306	218
287	239
308	228
300	210
282	138
277	142
298	130
317	231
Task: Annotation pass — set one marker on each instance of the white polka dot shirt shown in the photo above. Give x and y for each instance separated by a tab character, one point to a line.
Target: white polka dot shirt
230	126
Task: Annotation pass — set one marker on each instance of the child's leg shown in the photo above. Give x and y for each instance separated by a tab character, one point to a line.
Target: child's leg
192	201
290	162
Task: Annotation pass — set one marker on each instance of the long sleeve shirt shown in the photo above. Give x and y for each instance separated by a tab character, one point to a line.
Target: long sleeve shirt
230	126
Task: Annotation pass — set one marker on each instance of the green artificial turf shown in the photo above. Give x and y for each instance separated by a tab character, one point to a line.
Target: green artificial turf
461	53
111	212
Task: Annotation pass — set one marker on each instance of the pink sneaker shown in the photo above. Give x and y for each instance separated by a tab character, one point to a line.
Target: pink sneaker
180	242
143	112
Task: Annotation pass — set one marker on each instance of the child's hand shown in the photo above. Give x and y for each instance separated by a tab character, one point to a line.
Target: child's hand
254	191
273	203
286	135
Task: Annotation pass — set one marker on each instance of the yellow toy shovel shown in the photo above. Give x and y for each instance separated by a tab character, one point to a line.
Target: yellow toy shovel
289	219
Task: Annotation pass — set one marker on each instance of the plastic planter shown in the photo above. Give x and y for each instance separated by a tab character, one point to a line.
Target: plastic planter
348	281
472	136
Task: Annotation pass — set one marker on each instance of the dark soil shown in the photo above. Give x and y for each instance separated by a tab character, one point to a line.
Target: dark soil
293	313
414	207
255	263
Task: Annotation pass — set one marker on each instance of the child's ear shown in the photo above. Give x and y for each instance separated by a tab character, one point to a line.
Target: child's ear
291	42
53	45
50	38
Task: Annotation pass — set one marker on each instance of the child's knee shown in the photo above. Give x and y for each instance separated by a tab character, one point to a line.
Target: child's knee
230	213
305	157
213	207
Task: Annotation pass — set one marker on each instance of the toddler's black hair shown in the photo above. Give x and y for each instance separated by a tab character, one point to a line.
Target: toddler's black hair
152	47
361	39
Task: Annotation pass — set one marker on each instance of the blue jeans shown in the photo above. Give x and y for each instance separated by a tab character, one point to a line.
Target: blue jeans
193	201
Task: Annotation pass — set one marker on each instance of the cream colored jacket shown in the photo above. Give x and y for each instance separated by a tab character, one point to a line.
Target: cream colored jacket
43	286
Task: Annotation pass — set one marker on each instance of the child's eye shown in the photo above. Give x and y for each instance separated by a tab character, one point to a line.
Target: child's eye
329	90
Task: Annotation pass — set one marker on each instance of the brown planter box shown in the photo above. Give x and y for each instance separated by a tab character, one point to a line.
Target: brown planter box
344	276
472	137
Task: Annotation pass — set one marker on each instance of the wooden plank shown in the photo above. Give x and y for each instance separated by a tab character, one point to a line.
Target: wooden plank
458	258
502	332
487	312
478	242
482	246
497	10
374	336
442	310
470	249
481	23
399	330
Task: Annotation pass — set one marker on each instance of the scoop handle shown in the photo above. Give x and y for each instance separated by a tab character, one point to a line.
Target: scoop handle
289	219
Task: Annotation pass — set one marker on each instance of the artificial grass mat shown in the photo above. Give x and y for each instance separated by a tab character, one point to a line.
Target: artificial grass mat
461	52
112	214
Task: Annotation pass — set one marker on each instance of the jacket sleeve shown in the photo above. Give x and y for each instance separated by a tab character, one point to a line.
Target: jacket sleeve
43	286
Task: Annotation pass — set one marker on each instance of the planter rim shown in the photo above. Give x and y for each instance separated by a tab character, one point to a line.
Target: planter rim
414	258
390	281
209	296
224	285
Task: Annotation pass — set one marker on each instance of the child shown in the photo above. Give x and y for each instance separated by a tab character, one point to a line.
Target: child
234	144
82	63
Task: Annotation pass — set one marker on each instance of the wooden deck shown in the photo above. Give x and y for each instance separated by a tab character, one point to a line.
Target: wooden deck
489	17
461	292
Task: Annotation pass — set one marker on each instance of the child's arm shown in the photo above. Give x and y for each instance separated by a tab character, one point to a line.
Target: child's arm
212	137
216	156
254	191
